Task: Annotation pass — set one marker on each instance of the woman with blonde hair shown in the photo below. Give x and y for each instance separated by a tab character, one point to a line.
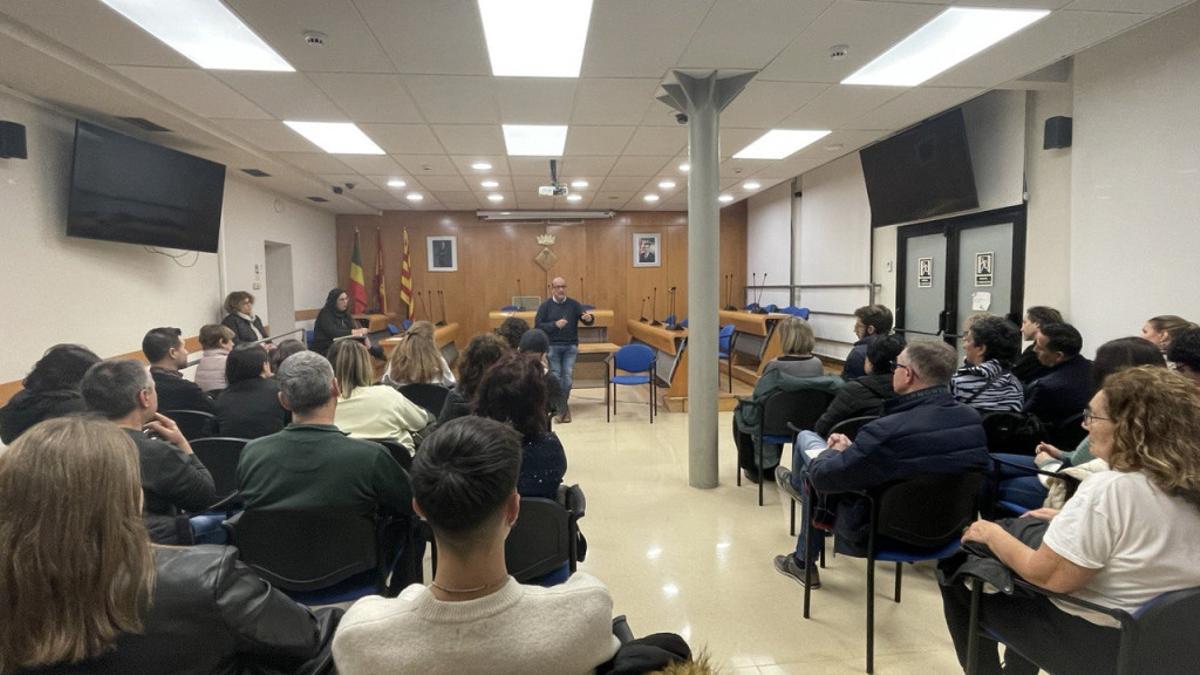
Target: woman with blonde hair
417	360
367	410
797	341
1128	535
1163	329
86	592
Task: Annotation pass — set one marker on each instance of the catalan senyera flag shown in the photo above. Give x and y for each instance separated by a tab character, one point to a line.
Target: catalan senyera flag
379	282
356	289
406	284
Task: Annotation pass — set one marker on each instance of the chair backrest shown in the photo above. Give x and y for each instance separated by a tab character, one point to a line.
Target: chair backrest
406	324
192	424
772	308
540	542
633	358
393	329
1165	640
724	338
1011	432
220	455
683	324
429	396
509	308
850	426
1068	433
670	320
308	550
397	450
928	511
802	408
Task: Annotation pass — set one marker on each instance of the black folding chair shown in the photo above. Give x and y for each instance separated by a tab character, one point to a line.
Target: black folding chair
801	409
192	424
1068	433
1011	432
398	451
850	428
431	397
220	455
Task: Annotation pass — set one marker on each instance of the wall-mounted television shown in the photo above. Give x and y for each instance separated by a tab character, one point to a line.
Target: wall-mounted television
921	172
127	190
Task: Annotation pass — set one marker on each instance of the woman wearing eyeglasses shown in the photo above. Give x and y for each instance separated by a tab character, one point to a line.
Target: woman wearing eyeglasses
1127	536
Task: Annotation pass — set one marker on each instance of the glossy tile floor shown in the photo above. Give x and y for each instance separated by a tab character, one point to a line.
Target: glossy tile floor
699	562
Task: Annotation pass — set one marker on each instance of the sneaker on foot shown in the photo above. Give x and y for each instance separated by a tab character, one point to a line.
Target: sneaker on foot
786	565
783	478
565	419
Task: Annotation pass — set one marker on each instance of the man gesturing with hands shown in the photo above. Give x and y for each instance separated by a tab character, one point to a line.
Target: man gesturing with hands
560	316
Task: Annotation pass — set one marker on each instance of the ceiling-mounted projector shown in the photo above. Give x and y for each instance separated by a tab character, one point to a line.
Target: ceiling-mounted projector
555	188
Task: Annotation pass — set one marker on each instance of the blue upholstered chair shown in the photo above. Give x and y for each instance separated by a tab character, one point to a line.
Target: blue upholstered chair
724	353
638	362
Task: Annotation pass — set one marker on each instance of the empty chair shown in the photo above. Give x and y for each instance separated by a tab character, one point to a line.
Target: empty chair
429	396
725	350
192	424
638	362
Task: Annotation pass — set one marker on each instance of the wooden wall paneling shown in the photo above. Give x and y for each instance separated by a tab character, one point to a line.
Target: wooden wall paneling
607	265
676	264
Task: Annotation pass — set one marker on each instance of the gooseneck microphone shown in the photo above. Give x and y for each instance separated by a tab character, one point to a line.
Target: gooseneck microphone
642	312
654	309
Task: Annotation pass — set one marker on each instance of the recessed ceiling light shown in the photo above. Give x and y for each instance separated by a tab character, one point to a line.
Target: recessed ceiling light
685	167
535	140
574	198
343	138
535	38
725	199
495	198
779	143
951	37
490	184
579	184
396	183
414	196
650	198
752	185
482	166
204	31
666	184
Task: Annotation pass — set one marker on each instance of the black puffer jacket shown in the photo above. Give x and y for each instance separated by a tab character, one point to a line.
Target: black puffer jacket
213	615
860	397
27	408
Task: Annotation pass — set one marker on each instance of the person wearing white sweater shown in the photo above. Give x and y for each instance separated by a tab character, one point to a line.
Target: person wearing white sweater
474	617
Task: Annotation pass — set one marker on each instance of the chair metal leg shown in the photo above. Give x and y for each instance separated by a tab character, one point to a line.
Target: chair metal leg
973	628
807	520
762	476
823	538
899	577
871	614
792	520
607	401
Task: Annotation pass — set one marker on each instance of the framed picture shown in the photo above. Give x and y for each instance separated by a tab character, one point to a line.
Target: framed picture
647	251
984	268
442	253
924	272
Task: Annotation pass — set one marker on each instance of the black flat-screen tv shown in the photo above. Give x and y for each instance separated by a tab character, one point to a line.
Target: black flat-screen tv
127	190
921	172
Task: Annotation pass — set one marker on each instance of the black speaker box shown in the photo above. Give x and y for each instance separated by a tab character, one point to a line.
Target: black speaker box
12	141
1058	133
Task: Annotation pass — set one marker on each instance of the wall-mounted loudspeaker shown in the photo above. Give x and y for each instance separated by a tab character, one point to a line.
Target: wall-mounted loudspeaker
12	141
1058	133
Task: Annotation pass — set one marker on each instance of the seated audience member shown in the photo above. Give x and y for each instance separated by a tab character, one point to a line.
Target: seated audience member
481	352
86	592
1127	536
870	322
796	341
283	350
417	360
240	318
173	479
514	391
1027	367
51	389
537	343
168	355
985	384
923	431
1161	330
512	329
1185	354
311	464
1028	490
334	321
217	341
865	395
249	407
366	410
1065	389
474	617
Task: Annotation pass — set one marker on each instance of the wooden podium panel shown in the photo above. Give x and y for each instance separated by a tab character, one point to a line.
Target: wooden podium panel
376	323
604	318
748	367
444	337
672	358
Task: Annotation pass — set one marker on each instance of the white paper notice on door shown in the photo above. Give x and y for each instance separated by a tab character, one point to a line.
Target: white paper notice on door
981	301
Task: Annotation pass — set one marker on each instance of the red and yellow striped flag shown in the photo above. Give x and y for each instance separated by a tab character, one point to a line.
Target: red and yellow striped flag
406	284
356	288
379	283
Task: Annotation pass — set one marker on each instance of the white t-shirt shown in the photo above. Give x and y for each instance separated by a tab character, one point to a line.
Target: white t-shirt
1143	542
518	629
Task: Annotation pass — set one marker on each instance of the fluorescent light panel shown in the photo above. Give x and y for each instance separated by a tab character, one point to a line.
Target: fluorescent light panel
343	138
535	38
779	143
535	140
204	31
950	38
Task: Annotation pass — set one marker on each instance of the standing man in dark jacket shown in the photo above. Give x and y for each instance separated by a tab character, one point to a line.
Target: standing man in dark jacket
173	479
923	431
167	354
870	322
1066	388
559	316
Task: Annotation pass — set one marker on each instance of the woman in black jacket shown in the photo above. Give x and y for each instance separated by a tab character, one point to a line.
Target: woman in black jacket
241	319
85	591
51	390
334	321
249	407
865	395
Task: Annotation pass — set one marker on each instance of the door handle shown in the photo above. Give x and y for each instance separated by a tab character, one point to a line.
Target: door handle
942	318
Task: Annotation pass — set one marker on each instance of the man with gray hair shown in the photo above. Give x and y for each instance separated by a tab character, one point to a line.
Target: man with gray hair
922	431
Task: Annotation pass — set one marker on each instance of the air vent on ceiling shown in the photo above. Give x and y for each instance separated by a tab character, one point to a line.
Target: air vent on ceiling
317	199
143	123
257	173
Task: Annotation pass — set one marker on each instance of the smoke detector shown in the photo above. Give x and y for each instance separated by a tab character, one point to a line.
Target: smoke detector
839	52
315	38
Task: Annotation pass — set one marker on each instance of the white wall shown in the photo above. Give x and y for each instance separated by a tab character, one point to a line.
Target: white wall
769	243
104	294
1135	171
1048	212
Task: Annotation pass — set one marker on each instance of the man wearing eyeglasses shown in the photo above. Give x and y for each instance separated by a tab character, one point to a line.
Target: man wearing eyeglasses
924	430
560	316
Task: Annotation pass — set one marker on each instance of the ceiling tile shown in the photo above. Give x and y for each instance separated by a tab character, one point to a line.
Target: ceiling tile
733	140
195	90
732	36
764	104
913	106
658	141
659	114
96	31
743	168
270	135
381	181
838	105
506	184
342	178
535	100
530	166
429	36
454	100
587	166
370	163
403	139
426	165
1142	6
612	200
287	96
586	140
612	101
639	39
349	45
638	166
368	97
471	139
499	164
530	183
444	183
624	183
313	162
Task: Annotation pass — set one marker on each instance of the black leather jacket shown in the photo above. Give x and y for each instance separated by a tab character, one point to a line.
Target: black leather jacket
212	614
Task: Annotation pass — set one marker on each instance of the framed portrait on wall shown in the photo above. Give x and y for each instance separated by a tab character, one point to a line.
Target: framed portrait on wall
442	253
646	249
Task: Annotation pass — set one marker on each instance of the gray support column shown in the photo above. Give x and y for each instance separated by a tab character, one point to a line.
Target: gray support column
702	98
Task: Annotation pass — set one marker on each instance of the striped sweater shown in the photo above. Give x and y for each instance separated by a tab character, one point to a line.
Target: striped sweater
988	387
